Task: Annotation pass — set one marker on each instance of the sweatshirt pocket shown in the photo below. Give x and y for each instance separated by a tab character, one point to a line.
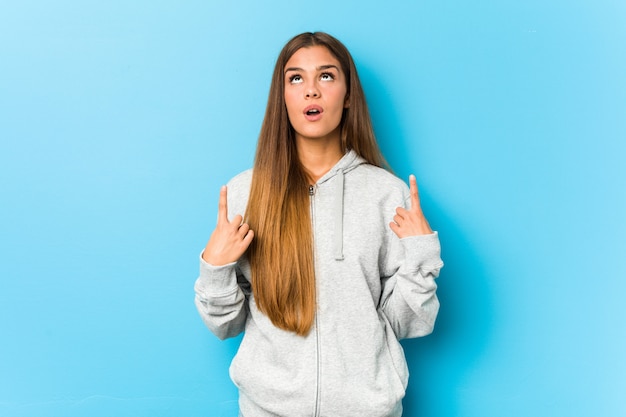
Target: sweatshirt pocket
364	372
274	370
396	354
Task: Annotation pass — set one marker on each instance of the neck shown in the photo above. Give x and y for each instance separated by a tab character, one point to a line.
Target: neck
318	157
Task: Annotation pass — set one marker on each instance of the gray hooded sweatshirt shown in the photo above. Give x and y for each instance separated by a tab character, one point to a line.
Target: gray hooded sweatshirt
373	289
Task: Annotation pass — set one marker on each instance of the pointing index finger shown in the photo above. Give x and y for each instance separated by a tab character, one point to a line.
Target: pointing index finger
222	208
415	200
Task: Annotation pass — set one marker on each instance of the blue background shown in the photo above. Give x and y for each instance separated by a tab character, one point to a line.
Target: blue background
120	120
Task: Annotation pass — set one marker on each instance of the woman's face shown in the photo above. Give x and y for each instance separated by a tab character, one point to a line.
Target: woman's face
315	94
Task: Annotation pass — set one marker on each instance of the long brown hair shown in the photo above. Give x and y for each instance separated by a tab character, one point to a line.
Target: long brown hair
281	254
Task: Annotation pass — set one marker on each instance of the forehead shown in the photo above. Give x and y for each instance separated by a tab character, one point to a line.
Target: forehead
312	57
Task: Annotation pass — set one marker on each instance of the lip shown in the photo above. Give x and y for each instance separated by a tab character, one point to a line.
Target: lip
313	117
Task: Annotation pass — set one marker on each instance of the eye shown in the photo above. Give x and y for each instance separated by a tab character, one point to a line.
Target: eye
295	79
327	76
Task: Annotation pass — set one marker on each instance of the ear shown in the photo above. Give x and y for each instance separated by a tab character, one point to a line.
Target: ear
346	102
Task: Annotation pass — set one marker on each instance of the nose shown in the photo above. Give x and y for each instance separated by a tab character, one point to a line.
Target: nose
312	91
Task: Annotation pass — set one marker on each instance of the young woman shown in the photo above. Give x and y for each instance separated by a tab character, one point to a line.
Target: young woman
320	256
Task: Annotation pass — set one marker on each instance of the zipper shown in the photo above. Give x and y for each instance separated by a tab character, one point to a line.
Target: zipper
318	387
318	394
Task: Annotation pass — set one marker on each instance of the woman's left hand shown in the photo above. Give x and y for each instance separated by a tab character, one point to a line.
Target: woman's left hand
410	222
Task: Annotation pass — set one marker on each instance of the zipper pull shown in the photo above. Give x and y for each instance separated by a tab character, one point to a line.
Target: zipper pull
311	190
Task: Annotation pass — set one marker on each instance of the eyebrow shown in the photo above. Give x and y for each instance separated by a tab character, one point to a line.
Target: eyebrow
320	68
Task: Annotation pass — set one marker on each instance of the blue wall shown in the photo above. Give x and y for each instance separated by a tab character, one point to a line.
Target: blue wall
120	120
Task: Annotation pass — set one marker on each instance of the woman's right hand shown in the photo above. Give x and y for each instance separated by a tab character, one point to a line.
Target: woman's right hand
230	239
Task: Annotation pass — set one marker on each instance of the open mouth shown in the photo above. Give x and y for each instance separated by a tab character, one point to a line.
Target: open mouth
313	111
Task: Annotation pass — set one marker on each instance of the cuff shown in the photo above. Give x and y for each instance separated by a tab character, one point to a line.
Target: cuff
423	251
217	280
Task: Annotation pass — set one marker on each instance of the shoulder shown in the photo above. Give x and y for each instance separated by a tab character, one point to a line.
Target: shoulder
241	180
380	182
238	191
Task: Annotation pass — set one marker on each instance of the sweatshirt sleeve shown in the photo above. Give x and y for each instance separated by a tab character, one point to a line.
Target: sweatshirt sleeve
409	300
221	298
